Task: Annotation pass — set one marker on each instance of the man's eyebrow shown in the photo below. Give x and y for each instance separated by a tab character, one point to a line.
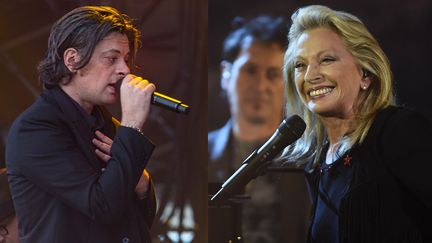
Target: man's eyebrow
113	51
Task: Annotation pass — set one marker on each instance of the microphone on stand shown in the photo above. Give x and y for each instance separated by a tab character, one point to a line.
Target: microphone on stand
288	132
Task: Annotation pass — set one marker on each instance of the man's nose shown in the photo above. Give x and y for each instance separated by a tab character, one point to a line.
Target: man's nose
262	81
123	69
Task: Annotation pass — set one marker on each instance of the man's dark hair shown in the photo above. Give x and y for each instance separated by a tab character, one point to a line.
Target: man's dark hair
82	29
263	29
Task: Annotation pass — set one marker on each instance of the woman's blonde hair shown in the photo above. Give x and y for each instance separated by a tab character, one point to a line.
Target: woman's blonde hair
369	56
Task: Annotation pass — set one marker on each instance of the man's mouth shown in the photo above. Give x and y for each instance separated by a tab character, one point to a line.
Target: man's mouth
112	87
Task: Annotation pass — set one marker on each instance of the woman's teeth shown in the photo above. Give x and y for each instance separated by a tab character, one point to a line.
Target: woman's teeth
318	92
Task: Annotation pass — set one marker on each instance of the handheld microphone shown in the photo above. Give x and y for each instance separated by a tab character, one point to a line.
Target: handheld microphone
169	103
288	132
163	101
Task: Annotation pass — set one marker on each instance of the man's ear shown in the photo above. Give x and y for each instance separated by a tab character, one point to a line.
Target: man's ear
71	58
225	67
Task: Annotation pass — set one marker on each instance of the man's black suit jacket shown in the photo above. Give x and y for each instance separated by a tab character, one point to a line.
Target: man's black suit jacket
61	190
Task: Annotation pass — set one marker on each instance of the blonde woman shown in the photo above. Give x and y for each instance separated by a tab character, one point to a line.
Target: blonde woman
366	160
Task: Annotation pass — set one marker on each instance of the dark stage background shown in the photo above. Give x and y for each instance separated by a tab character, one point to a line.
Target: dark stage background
403	28
173	56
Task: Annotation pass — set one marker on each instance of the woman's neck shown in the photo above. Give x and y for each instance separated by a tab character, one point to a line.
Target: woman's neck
336	129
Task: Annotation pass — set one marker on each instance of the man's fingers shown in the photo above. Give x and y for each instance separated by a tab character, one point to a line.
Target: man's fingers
141	83
106	148
137	81
150	88
103	138
105	157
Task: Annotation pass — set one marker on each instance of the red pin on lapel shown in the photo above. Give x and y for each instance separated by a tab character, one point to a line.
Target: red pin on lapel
347	160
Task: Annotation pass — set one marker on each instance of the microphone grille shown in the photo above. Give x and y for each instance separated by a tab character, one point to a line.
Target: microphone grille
293	125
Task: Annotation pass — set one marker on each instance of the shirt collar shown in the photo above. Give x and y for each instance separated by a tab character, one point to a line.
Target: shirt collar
94	120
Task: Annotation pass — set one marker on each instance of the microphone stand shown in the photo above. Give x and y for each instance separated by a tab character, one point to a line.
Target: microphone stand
239	179
288	132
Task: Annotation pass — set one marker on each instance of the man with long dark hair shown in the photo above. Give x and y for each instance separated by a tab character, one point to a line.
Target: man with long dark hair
76	175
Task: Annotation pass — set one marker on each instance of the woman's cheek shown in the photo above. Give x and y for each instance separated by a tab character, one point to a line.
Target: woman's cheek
300	90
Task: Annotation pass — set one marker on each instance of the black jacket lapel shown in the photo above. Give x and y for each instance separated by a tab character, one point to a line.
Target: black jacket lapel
80	130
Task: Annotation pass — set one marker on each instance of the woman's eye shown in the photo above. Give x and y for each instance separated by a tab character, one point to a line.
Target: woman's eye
299	65
328	60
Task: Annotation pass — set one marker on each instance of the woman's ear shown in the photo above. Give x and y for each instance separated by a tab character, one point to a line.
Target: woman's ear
70	59
366	79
